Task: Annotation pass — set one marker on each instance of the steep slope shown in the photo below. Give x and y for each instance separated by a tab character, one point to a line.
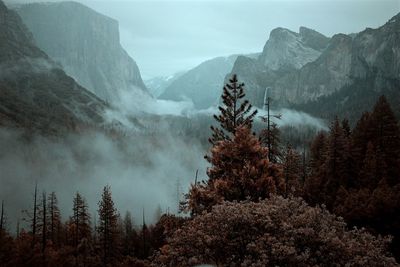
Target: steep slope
34	92
86	44
202	84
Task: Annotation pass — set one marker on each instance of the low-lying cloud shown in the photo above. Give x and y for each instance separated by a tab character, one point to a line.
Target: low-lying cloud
143	171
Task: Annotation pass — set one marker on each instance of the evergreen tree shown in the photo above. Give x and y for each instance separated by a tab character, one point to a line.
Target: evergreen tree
336	163
269	136
44	224
80	220
130	237
2	218
108	228
371	173
292	171
54	219
235	112
315	181
385	135
270	139
346	127
239	170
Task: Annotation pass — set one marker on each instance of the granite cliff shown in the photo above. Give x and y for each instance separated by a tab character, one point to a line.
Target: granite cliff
86	44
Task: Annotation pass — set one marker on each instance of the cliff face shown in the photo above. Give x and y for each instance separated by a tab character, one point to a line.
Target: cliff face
287	49
329	72
86	44
308	67
34	92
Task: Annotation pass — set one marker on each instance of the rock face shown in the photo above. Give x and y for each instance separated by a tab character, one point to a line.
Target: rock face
202	84
34	92
372	68
323	76
286	49
86	44
306	67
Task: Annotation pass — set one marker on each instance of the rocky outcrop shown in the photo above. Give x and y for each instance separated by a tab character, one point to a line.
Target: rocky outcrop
86	44
34	92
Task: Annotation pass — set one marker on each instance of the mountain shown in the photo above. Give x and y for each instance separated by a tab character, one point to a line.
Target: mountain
306	69
86	44
202	84
372	69
287	49
284	53
34	92
157	85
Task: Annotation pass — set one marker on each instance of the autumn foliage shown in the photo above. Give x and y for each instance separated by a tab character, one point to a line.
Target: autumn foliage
274	232
239	170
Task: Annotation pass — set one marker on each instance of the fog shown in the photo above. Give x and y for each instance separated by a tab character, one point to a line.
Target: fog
143	171
143	168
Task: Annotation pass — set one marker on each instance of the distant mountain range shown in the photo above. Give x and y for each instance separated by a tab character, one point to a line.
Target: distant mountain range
159	84
202	84
342	75
307	70
87	46
60	70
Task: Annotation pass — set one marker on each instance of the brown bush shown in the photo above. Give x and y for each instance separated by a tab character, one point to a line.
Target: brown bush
273	232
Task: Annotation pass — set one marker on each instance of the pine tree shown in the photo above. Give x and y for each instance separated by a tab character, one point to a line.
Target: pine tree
54	219
371	173
269	136
130	236
235	112
239	170
385	135
108	228
336	163
80	220
2	224
292	171
44	228
317	178
270	139
346	127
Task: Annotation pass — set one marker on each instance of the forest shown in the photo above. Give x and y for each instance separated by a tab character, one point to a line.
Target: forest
334	202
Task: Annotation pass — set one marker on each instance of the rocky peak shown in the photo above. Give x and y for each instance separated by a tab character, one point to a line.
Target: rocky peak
313	39
286	49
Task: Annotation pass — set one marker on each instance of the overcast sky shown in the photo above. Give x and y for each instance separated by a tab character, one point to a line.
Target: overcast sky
165	37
